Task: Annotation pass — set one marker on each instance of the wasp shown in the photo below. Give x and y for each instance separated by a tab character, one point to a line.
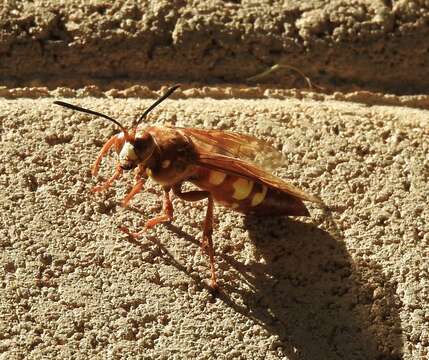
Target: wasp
222	165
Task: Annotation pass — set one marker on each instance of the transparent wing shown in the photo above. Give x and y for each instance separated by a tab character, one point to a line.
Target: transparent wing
247	170
235	145
241	155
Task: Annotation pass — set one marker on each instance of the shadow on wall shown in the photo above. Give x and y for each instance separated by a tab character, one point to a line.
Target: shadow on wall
306	290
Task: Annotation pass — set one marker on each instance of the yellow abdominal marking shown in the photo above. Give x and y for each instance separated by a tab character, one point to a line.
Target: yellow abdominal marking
216	177
259	197
242	188
149	172
165	164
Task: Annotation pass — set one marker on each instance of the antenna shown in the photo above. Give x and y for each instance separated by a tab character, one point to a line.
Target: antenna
157	102
78	108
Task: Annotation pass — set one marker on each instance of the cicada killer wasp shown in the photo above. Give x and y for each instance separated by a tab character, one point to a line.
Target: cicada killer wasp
222	164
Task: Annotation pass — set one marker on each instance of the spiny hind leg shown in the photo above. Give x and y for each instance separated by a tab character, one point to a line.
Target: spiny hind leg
207	241
195	195
165	216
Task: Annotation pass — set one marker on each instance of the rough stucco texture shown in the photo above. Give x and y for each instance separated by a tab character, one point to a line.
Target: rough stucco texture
348	282
351	283
371	44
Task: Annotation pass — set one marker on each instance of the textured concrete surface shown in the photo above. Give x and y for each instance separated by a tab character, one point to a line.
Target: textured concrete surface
349	283
363	43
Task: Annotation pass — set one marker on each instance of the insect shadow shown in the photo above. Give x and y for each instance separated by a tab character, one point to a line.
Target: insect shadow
306	289
162	252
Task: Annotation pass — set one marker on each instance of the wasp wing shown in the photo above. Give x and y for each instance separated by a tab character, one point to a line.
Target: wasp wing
241	155
235	145
250	171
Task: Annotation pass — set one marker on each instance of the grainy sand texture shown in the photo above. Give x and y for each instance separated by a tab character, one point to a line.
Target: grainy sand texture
349	282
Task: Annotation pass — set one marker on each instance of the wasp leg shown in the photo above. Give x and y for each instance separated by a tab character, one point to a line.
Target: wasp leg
134	191
104	150
207	238
196	195
207	241
109	182
140	180
167	211
166	216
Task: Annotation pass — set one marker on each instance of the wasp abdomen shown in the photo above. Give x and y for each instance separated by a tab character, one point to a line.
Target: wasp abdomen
248	196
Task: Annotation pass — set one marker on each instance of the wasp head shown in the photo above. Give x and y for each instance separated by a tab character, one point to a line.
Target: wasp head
135	151
132	151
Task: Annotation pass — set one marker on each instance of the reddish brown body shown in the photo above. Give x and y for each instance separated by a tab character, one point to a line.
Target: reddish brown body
221	164
255	197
